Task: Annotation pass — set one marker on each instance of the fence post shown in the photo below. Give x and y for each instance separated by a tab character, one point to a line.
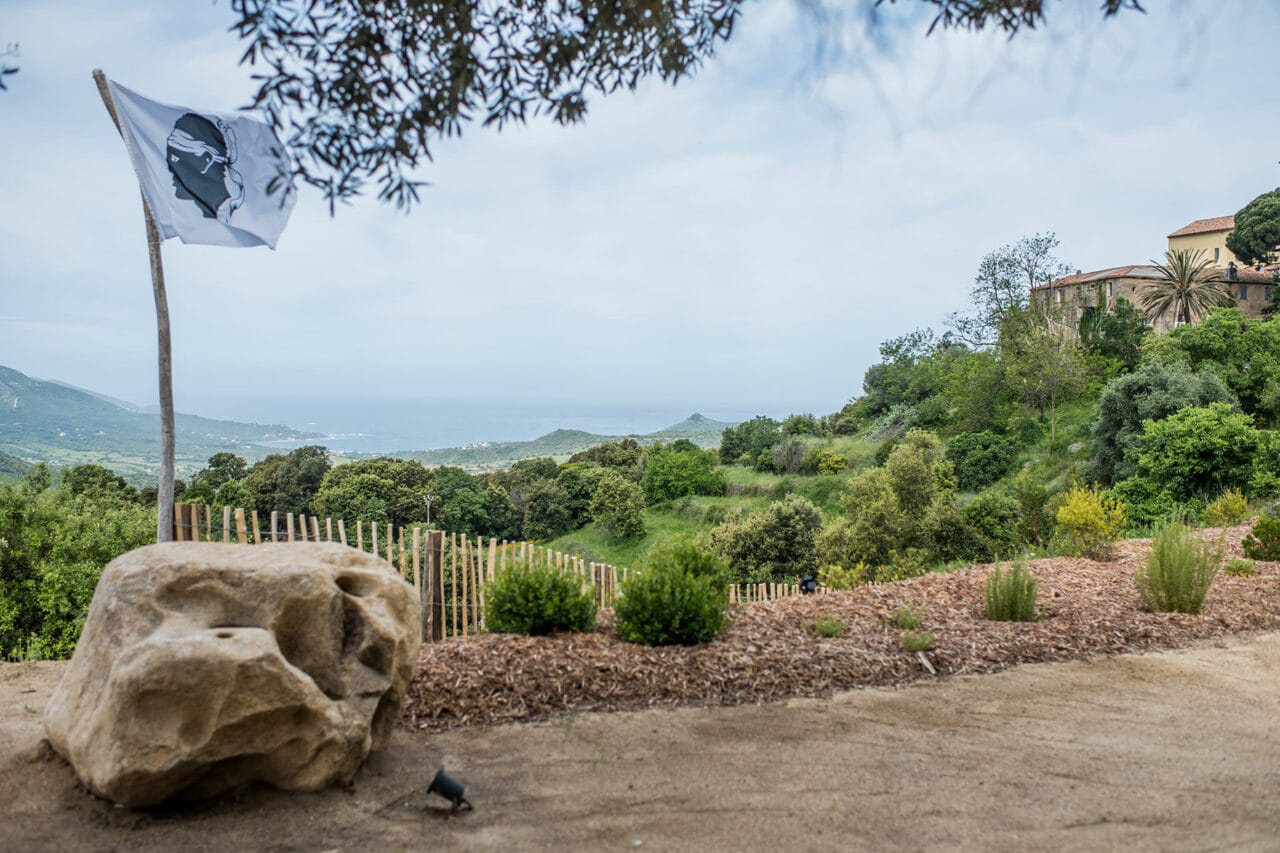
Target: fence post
328	528
435	584
242	533
257	534
342	531
417	566
453	581
477	594
466	566
288	526
404	569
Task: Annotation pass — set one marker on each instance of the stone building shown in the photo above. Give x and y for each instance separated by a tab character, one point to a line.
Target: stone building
1073	295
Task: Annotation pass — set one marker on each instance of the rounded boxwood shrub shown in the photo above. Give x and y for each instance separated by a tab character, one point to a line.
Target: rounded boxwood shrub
536	600
679	598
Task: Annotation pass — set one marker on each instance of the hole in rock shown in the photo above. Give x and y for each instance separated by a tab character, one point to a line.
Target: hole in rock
351	585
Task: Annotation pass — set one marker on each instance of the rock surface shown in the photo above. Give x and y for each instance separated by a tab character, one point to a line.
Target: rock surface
203	667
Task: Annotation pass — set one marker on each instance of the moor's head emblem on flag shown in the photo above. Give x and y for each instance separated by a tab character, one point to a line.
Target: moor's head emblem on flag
200	154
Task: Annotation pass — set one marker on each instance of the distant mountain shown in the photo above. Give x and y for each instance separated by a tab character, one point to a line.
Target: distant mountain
44	421
561	444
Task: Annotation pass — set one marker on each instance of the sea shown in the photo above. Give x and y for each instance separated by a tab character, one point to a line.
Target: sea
383	425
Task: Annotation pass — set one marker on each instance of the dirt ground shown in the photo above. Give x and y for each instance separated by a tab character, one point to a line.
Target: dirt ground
1170	751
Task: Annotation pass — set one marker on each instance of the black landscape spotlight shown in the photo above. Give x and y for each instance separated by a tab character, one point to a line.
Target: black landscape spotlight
808	585
451	789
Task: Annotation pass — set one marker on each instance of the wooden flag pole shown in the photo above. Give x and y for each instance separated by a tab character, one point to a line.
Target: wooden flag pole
164	500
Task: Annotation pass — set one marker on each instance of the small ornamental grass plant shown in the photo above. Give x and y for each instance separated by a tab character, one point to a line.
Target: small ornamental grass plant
916	641
1179	570
678	598
537	600
1241	568
1011	595
907	619
828	626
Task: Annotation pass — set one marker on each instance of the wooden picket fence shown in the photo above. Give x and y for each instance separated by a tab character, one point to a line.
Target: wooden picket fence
448	570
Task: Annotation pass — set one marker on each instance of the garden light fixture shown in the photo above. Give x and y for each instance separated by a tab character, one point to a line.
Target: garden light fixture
808	585
451	789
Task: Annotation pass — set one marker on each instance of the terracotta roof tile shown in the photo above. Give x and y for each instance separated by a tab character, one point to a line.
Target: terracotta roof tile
1249	275
1206	226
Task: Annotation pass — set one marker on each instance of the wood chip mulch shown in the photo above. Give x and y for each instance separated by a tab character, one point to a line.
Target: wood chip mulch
771	650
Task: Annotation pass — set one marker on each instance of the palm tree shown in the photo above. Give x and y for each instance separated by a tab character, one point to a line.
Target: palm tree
1188	287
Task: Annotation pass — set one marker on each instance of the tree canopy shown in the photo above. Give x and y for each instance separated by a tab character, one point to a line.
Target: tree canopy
1187	288
1002	287
1257	230
361	90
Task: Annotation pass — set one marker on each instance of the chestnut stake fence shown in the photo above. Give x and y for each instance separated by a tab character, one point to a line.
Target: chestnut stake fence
448	570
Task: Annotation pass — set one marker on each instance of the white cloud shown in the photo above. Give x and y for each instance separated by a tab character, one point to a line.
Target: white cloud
749	236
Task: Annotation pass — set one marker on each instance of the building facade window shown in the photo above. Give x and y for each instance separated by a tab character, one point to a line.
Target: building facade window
1244	292
1216	254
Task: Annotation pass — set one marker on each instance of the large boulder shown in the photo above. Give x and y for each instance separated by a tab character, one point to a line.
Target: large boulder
203	667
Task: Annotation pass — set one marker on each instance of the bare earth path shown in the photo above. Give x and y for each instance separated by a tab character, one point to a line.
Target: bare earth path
1176	750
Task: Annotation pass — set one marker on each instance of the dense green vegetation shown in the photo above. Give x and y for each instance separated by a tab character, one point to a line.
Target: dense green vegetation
54	541
1003	438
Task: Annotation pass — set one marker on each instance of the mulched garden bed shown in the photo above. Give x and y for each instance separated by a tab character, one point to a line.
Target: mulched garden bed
771	650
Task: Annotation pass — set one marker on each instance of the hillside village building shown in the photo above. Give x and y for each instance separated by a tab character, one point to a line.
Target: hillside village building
1074	295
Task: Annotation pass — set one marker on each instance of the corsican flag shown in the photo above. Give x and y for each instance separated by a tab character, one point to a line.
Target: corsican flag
222	180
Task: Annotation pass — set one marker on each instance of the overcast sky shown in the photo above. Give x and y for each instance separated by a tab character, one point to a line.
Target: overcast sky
746	239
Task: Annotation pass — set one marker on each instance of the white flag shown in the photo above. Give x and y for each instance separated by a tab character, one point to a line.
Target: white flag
205	175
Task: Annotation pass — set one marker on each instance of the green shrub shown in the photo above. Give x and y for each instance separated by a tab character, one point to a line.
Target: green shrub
828	626
907	619
618	506
1231	508
1263	542
687	556
1241	568
980	458
1089	524
673	471
1011	595
828	462
536	600
1179	570
916	641
1198	451
1032	496
679	598
994	518
840	578
950	536
907	563
773	544
1146	505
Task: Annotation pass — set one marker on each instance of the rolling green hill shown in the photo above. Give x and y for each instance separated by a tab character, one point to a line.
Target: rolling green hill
42	421
563	443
